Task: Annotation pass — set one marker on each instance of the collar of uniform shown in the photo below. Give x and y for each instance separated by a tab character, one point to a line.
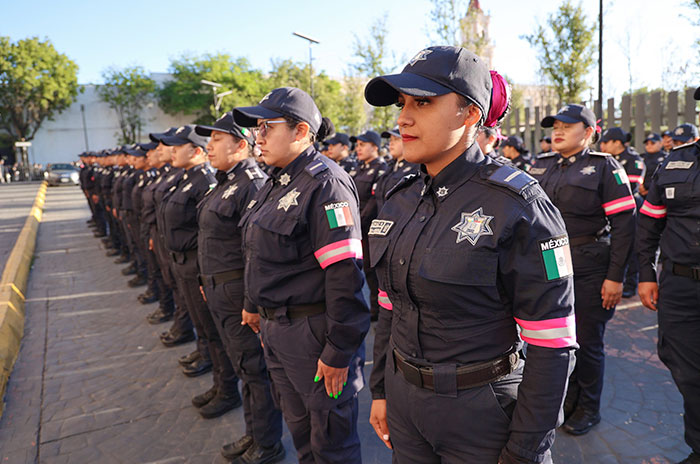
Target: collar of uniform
296	166
573	158
454	174
373	164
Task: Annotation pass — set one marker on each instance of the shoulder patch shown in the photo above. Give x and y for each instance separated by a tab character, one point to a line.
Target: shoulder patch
597	153
404	182
316	167
546	155
512	178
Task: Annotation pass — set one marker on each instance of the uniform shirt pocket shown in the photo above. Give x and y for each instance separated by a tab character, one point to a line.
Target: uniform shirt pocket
275	241
675	187
451	266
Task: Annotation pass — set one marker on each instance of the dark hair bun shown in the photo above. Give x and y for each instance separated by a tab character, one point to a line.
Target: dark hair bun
326	130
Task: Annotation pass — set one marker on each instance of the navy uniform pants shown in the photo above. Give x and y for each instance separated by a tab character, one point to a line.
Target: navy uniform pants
324	429
679	347
186	274
263	420
590	269
464	426
173	300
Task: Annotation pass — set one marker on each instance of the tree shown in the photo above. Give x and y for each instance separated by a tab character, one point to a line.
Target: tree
372	56
185	93
36	83
353	116
565	50
127	91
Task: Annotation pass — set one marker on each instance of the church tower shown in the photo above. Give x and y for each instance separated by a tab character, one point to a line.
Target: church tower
475	32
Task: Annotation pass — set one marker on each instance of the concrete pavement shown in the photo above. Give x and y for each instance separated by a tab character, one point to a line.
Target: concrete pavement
94	384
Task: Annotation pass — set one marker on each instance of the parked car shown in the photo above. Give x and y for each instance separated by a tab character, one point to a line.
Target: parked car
61	174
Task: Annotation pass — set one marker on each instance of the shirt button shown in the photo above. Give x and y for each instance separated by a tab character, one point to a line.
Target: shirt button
414	354
402	261
421	219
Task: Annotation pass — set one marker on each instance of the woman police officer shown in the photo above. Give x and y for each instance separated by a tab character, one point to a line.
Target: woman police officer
465	253
303	278
593	194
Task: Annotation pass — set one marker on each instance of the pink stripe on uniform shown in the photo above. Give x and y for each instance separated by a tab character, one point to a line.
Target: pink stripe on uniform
550	333
557	323
554	343
656	212
637	179
338	251
619	205
384	301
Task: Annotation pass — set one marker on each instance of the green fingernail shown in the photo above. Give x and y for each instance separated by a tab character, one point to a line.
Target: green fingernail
330	395
317	378
345	383
335	396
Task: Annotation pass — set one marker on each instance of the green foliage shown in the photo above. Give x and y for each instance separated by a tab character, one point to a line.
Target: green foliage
565	50
185	93
36	82
127	91
353	117
372	56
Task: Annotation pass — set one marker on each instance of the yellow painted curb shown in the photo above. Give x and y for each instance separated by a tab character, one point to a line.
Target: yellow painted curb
13	286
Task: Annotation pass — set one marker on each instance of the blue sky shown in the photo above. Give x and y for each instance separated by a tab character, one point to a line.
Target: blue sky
98	34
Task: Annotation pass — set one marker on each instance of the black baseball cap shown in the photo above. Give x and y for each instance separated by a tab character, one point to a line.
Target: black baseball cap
284	101
436	71
666	133
515	142
227	124
184	135
369	136
653	137
148	146
616	133
135	150
546	139
394	132
156	136
685	133
571	114
339	137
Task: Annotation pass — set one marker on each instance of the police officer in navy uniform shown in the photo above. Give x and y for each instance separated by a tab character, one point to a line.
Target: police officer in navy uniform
304	280
136	159
653	155
465	253
221	264
669	217
339	151
684	134
399	169
181	239
514	149
593	193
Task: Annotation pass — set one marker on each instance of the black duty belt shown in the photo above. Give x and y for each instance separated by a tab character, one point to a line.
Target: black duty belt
221	278
692	272
468	376
292	311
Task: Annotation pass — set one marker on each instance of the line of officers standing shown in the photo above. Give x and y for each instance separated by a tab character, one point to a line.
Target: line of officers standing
197	217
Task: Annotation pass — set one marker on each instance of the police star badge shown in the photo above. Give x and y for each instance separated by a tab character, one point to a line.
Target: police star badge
420	56
285	179
229	191
289	200
442	191
472	226
588	170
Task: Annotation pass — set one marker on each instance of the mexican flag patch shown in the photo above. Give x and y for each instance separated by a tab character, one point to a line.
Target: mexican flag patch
621	176
556	256
639	164
338	214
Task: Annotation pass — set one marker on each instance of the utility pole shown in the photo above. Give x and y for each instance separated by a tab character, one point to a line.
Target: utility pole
599	110
311	69
85	133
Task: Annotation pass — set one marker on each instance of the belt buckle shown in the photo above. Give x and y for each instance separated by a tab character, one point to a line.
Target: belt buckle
412	373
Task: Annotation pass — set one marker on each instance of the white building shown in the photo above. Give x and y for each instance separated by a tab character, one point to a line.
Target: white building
62	139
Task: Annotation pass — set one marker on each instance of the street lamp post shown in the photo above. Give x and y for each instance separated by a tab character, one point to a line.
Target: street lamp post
311	69
218	97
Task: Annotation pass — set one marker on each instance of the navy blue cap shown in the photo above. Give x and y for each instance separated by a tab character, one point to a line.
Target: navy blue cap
652	137
156	136
148	146
666	133
369	136
135	150
546	139
436	71
515	142
284	101
339	137
227	124
571	114
184	135
685	133
696	95
394	132
616	133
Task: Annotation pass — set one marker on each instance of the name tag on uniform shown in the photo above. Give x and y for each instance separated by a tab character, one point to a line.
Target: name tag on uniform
537	171
680	164
380	227
670	192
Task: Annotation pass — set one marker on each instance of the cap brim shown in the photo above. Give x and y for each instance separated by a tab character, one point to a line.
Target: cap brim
156	137
248	116
549	120
384	90
205	131
681	138
387	134
175	141
148	146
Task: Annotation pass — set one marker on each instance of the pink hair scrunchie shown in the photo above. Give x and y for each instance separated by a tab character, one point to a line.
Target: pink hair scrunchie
500	100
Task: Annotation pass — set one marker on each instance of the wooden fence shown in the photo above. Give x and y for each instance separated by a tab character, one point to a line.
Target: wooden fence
638	114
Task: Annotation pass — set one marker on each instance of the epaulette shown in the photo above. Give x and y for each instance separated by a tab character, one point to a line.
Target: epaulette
598	153
254	173
512	178
316	167
546	155
404	182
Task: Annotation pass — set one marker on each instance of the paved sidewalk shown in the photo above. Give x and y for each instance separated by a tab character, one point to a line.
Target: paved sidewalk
16	200
94	384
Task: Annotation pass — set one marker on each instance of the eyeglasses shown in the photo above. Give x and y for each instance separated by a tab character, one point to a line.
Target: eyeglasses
265	126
